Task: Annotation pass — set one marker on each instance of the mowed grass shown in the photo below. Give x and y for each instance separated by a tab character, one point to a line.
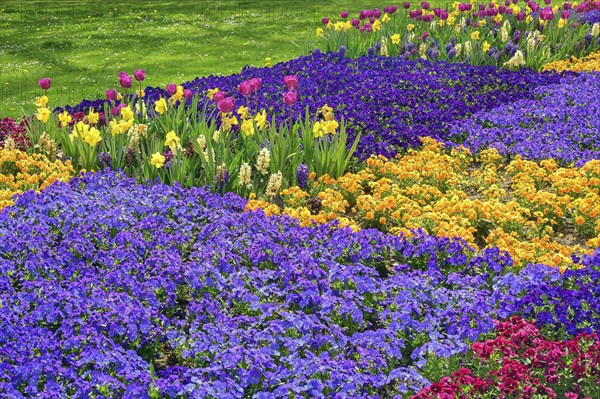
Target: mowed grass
82	45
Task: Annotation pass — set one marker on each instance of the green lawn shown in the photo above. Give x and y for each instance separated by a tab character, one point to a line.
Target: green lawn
82	45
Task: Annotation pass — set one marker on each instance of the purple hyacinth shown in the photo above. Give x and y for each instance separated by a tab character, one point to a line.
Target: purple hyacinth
302	175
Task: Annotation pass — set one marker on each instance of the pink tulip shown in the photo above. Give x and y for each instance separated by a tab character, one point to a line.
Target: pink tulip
256	83
218	97
245	88
290	98
291	82
226	105
44	83
171	88
187	94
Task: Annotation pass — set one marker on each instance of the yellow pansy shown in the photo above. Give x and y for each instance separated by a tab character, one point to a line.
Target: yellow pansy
43	114
395	38
157	160
248	127
160	106
64	118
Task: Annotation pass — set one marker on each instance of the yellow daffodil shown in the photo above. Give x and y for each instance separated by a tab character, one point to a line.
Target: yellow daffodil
228	122
43	114
243	112
529	19
498	18
248	127
172	141
320	32
481	22
261	119
93	137
376	25
178	94
93	117
157	160
267	64
161	106
331	126
119	96
41	102
211	93
562	23
396	38
385	18
475	35
126	113
485	47
64	118
410	27
140	93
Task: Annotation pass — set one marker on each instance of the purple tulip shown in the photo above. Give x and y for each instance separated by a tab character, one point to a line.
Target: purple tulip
355	22
290	98
546	14
502	9
376	13
394	8
444	15
520	16
406	5
226	105
565	15
171	88
547	2
325	21
567	6
125	80
111	95
44	83
344	14
428	18
139	75
425	5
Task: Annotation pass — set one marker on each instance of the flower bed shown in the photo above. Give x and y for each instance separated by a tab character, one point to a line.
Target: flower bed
119	289
20	172
562	123
536	212
591	63
391	101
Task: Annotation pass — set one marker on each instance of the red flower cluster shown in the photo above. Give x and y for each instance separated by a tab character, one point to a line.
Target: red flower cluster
14	130
521	363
